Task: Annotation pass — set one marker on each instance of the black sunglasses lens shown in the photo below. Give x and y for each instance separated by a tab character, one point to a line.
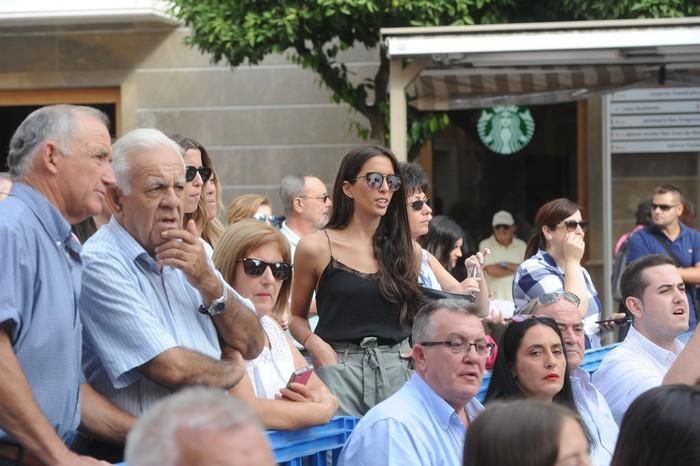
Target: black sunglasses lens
418	205
572	224
254	267
502	227
205	173
190	173
281	270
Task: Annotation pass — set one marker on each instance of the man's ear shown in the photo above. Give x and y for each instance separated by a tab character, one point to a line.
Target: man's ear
418	356
49	157
113	199
297	205
634	305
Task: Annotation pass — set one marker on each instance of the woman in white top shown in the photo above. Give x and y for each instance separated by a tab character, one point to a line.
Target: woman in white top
254	258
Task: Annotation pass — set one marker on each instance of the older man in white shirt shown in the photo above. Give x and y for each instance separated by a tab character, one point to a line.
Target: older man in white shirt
562	306
651	355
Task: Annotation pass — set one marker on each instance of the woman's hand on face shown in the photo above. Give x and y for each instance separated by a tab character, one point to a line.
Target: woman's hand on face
574	247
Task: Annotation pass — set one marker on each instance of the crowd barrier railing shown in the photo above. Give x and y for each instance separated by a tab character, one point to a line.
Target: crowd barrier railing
321	445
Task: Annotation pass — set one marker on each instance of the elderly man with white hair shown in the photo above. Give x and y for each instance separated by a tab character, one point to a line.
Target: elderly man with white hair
152	302
196	427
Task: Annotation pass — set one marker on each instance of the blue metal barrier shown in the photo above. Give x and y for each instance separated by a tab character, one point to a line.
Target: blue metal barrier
318	445
313	446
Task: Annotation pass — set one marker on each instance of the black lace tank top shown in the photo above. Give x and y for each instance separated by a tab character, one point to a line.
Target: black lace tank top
350	307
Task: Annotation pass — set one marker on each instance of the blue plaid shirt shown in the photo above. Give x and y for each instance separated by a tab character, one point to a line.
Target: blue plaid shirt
539	275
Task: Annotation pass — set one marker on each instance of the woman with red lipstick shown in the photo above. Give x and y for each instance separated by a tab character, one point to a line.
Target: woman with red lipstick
364	269
254	258
531	363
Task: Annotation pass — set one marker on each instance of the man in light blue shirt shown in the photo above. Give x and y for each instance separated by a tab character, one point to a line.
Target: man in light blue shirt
152	302
425	422
60	158
562	306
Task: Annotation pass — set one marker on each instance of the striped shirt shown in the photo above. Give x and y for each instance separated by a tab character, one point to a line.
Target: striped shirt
132	311
539	275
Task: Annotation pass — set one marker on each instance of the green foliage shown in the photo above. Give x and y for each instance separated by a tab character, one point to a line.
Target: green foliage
316	31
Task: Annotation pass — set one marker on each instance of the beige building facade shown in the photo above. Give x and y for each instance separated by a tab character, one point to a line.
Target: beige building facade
259	123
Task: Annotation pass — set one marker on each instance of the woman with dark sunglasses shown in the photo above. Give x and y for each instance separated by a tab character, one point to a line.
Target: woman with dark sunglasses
200	181
553	263
433	274
364	268
254	258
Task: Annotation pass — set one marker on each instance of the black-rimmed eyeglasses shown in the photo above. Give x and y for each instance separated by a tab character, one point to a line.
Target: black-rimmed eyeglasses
191	173
375	181
459	346
256	267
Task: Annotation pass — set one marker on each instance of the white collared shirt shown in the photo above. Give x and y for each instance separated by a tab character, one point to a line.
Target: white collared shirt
291	236
632	368
596	414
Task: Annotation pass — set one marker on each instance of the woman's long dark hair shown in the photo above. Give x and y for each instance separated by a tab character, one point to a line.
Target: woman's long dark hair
549	215
503	385
392	243
661	428
443	233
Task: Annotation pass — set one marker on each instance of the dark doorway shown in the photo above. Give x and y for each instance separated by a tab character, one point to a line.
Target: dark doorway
12	116
471	183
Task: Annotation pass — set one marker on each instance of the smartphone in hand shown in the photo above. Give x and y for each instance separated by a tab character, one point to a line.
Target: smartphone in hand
620	321
301	376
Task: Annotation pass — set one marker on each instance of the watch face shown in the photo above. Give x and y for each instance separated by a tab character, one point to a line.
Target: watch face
217	308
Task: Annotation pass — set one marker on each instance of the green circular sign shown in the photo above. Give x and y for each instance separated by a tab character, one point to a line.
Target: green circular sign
506	129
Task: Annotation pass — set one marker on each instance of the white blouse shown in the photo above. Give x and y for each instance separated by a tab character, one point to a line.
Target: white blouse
270	371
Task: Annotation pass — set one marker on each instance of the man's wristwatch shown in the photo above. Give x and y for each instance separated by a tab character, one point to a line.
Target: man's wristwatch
217	306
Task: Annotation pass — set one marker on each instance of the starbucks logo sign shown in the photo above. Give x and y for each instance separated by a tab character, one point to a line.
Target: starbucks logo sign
506	129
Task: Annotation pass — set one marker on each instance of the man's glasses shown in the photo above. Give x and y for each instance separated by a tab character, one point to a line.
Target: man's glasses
571	225
256	267
418	205
459	346
501	227
376	180
663	207
191	173
323	198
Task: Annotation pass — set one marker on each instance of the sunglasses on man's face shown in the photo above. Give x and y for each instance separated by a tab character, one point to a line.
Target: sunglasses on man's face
256	267
191	173
418	205
571	225
663	207
376	180
502	227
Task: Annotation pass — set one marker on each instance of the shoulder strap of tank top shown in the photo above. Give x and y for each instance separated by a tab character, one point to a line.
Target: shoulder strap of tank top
330	249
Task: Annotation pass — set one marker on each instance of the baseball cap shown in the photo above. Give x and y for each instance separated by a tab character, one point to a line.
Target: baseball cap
502	217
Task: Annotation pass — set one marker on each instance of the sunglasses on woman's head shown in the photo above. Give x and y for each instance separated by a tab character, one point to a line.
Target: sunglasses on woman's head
256	267
191	173
376	180
418	205
571	225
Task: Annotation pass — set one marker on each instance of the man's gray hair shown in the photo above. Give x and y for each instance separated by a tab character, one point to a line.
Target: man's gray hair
152	440
55	122
140	140
291	186
423	322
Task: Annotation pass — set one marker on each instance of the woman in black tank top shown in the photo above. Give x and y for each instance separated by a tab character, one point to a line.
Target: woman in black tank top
364	269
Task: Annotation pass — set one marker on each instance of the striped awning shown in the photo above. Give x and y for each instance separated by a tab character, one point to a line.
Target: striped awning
463	88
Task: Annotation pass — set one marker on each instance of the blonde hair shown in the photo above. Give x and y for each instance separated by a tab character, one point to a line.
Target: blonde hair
238	240
245	206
